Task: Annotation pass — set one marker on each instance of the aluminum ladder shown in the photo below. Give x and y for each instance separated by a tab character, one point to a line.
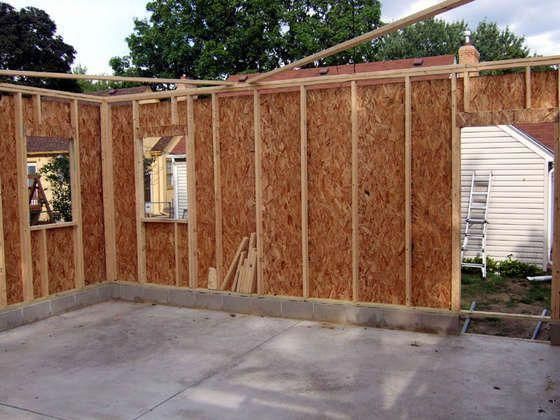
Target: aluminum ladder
476	222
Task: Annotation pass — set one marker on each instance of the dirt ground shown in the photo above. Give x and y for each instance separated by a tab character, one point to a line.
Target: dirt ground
498	294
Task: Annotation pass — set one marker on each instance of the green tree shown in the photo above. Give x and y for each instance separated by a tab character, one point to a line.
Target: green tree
28	41
57	173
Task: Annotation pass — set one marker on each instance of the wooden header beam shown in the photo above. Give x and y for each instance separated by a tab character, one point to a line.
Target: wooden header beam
369	36
52	75
28	90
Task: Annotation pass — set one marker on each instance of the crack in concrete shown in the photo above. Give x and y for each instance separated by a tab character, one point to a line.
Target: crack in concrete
28	410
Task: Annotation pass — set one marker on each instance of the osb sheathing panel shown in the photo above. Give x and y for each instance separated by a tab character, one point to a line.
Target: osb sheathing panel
330	193
431	194
123	182
55	118
238	172
281	186
60	258
516	116
544	89
92	193
160	253
381	194
36	253
8	173
497	92
183	247
155	114
204	164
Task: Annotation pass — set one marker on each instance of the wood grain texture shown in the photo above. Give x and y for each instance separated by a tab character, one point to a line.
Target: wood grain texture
160	253
204	165
37	256
431	194
155	115
381	194
330	193
92	193
238	172
55	118
544	89
123	183
183	251
497	92
60	258
281	185
8	172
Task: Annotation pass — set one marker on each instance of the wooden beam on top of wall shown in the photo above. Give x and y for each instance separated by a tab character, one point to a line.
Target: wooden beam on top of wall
174	113
217	187
455	201
75	180
427	13
3	289
555	286
528	88
407	188
139	193
37	112
191	194
466	92
108	193
258	186
304	190
355	203
23	204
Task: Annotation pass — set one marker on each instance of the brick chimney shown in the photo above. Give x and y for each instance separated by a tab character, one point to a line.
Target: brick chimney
468	54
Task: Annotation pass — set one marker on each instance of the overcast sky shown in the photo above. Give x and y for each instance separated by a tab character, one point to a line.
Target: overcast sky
97	29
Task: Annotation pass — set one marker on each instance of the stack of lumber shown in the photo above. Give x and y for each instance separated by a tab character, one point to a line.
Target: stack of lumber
242	273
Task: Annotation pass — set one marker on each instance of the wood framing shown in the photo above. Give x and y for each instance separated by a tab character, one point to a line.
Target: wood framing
466	92
304	192
37	112
7	87
258	187
555	286
44	263
177	254
408	188
217	187
528	88
3	295
108	193
455	201
23	205
75	179
355	202
369	36
139	193
191	193
174	113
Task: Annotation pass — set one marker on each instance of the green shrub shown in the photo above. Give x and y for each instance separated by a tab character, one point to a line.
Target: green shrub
506	268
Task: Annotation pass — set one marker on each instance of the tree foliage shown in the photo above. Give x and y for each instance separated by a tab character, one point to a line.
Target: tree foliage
28	41
57	173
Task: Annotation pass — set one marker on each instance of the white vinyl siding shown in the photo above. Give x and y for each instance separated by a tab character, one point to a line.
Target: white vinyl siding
181	189
517	214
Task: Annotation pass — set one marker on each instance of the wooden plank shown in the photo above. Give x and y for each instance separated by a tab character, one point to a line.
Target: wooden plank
455	201
407	189
3	295
139	193
75	179
44	264
528	88
466	92
555	285
355	199
503	315
23	204
304	192
258	186
37	112
217	187
234	263
177	254
240	264
191	194
212	278
174	113
108	193
6	87
369	36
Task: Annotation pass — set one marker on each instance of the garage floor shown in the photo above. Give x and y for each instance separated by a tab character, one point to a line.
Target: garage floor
125	360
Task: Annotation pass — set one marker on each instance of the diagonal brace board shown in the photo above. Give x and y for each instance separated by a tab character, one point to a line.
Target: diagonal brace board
369	36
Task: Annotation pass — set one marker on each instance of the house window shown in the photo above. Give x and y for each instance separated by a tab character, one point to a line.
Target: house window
31	171
169	173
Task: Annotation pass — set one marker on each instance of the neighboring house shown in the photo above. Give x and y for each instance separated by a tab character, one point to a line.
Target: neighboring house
165	177
520	205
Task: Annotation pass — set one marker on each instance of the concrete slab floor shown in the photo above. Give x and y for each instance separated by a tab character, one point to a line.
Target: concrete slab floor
120	360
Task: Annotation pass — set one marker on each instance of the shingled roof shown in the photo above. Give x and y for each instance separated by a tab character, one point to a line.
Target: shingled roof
543	133
47	145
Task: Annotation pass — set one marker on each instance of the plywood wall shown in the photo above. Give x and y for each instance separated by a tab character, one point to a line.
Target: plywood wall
60	259
160	253
330	193
281	189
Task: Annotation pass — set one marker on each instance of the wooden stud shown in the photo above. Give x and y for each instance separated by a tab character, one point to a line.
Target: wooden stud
191	194
174	112
177	256
558	90
139	193
37	113
528	88
466	92
355	203
108	193
3	289
75	179
234	263
217	187
44	263
304	191
23	203
555	286
407	189
258	187
455	201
